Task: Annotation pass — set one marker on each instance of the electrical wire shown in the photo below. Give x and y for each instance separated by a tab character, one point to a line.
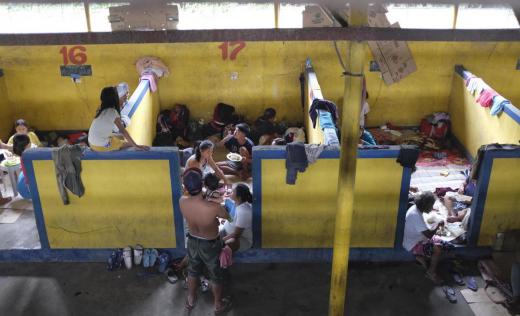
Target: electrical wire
339	56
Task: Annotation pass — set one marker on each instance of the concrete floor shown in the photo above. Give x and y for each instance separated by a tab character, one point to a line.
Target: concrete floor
259	289
23	233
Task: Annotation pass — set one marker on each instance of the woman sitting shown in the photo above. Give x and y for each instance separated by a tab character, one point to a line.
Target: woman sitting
238	232
21	127
203	160
264	128
100	135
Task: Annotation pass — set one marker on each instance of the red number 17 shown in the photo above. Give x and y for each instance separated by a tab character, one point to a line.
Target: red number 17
224	47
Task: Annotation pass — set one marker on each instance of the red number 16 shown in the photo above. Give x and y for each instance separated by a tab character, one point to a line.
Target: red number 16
224	47
75	55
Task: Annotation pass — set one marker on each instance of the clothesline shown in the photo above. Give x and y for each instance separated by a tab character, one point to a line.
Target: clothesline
485	95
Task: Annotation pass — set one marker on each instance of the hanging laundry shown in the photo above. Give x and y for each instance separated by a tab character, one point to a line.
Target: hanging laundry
319	104
67	163
499	102
486	97
408	155
313	152
467	78
476	86
151	80
295	161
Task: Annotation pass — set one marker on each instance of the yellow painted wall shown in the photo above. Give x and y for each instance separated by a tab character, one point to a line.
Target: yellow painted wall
474	126
6	118
502	207
302	215
142	126
101	218
267	77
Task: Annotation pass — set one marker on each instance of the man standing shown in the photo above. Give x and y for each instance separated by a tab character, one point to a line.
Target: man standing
204	243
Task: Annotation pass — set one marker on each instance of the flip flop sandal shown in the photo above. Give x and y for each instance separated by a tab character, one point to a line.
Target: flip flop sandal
204	286
227	306
154	254
127	256
164	261
119	258
450	294
111	261
146	258
457	277
172	276
138	254
471	284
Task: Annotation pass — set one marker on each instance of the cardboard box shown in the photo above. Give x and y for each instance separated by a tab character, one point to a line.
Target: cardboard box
394	58
377	16
315	16
142	17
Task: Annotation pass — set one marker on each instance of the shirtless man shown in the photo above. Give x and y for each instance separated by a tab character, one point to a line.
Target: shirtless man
204	243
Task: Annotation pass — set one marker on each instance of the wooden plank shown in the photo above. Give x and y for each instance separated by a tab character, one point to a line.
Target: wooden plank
308	34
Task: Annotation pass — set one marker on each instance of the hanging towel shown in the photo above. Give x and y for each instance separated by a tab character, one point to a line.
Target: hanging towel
476	85
226	257
330	137
486	97
499	102
408	155
313	152
67	164
319	104
295	161
151	80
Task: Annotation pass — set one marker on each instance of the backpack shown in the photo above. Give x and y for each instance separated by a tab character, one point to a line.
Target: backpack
173	121
436	131
224	114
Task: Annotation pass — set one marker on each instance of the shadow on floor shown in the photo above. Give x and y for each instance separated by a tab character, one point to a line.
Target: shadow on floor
258	289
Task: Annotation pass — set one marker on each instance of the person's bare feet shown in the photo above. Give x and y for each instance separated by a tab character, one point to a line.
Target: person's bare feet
5	200
433	277
422	262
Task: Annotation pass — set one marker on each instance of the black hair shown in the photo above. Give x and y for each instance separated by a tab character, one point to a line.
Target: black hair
200	147
192	181
20	122
244	128
269	113
366	95
20	141
211	181
279	142
243	193
83	139
425	201
109	100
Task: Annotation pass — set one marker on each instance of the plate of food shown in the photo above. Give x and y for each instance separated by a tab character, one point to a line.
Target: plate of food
234	157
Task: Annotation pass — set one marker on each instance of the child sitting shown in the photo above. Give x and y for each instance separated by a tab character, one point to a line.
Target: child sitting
21	127
212	182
